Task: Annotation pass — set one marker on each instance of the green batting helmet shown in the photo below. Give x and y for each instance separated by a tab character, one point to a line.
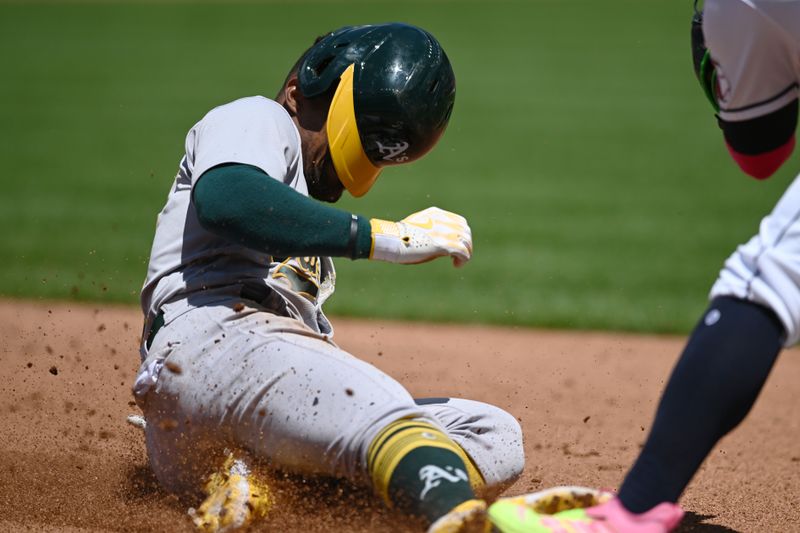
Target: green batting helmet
393	100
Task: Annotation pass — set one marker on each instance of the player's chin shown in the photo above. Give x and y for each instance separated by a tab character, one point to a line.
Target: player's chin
326	187
328	196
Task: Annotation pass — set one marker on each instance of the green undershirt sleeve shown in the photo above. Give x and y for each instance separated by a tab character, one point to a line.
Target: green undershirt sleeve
243	204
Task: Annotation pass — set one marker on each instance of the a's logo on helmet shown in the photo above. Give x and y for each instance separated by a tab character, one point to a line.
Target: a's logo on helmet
393	152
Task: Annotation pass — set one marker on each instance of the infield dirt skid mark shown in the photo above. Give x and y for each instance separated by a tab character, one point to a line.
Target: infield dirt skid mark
70	462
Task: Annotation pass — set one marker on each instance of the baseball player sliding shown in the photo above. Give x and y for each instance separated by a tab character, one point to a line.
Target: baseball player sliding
746	59
238	362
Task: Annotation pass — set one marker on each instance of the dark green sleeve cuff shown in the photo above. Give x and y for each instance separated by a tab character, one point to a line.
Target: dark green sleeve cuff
363	239
243	204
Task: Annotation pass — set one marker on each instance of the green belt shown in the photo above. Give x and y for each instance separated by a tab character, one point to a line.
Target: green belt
256	293
157	324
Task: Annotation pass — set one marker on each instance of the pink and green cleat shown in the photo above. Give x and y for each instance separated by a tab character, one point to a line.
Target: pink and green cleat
578	510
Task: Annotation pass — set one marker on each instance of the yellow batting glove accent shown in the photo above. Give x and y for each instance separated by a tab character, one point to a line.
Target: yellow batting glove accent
421	237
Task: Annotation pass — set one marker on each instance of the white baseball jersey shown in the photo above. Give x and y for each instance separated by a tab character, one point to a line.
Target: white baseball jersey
265	376
755	46
187	259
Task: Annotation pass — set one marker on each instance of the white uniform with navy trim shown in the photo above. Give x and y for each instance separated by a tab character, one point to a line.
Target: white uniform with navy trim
755	45
227	371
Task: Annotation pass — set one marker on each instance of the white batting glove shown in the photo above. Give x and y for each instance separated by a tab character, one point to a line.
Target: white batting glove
422	237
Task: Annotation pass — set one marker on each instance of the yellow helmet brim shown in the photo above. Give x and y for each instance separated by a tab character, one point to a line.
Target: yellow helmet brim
353	167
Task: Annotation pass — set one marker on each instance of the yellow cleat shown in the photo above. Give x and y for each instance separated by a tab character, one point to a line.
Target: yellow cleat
236	497
467	517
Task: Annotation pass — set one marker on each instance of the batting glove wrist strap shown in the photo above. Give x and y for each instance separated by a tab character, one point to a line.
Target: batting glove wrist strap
422	237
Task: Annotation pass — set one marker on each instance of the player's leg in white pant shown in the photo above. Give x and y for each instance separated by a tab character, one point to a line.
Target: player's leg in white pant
766	270
267	384
264	383
490	436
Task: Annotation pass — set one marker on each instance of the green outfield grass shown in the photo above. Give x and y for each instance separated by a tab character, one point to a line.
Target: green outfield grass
581	151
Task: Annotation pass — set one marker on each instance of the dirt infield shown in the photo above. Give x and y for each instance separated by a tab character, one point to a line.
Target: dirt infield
69	461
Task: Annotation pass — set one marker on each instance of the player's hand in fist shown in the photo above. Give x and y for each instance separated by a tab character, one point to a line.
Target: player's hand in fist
422	237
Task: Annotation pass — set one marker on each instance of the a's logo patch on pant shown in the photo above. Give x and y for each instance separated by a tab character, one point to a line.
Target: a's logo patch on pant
433	475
